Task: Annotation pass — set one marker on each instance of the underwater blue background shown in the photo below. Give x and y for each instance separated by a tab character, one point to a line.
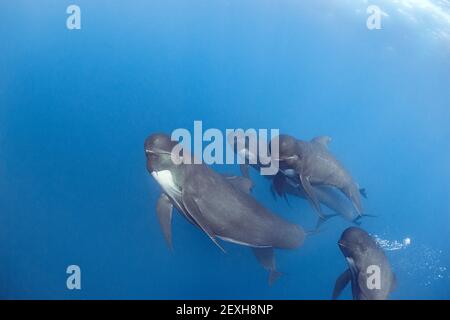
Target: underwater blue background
76	106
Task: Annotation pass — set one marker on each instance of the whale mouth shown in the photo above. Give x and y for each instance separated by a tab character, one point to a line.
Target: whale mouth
340	244
156	152
294	157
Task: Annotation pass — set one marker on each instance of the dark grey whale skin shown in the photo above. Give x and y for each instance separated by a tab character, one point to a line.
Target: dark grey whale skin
361	251
329	197
315	165
220	206
281	185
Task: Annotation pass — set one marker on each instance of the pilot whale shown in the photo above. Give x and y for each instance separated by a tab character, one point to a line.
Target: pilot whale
286	182
365	260
221	206
313	164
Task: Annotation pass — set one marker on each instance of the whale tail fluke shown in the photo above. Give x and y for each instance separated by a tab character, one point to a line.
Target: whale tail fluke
274	275
363	192
357	220
266	258
321	220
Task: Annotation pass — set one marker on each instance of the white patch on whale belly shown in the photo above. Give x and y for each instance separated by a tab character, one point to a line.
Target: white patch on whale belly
241	243
352	266
165	180
350	261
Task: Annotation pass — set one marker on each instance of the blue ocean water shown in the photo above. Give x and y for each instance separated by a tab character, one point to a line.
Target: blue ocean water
76	106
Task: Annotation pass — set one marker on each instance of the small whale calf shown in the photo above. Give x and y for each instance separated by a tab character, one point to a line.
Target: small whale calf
369	271
221	206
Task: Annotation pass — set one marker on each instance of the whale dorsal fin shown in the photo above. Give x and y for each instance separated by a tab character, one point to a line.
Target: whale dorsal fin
322	140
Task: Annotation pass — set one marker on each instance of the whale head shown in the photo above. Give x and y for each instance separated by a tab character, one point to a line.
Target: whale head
158	150
287	149
354	241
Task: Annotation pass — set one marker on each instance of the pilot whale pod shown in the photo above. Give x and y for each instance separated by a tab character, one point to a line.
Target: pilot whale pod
221	206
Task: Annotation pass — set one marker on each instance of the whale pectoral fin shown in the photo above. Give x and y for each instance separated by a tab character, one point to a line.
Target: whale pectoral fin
194	212
354	275
287	200
266	258
244	170
164	209
311	195
341	283
324	141
272	191
240	183
278	183
363	192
